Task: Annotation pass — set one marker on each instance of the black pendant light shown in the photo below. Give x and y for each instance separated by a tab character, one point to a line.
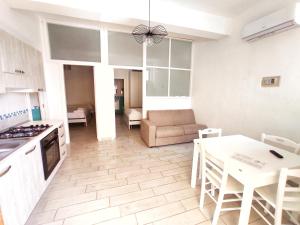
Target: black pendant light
148	34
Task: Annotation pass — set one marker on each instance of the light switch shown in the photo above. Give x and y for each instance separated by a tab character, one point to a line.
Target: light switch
270	81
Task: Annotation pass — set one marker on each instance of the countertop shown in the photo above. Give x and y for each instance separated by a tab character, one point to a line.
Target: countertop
28	141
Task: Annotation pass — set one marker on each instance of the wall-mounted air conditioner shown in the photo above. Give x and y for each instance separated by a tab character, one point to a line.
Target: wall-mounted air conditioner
275	22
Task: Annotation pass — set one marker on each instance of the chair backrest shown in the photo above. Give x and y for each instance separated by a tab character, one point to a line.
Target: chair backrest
285	193
210	131
212	169
281	142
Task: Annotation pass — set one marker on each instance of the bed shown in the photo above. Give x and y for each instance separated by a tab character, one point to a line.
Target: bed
133	116
80	113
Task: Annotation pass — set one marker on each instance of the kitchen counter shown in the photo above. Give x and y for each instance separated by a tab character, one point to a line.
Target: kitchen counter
25	142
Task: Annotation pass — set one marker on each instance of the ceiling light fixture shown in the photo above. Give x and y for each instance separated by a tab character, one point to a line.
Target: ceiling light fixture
148	34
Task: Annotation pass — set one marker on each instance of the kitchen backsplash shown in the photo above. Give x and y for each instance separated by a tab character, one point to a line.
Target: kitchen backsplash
13	109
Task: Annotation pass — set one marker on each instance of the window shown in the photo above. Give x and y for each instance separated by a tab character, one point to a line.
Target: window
123	50
73	43
157	83
169	67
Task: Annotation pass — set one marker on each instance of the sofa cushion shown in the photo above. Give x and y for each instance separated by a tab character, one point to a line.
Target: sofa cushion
192	128
171	117
169	131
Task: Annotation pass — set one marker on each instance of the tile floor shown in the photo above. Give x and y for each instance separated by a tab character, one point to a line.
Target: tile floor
125	183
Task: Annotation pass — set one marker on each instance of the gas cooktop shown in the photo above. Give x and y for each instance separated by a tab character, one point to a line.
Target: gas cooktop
24	131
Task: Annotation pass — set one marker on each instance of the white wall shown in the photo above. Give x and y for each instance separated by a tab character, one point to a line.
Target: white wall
79	84
227	76
22	24
104	96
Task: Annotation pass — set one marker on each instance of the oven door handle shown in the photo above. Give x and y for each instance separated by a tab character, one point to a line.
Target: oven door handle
51	143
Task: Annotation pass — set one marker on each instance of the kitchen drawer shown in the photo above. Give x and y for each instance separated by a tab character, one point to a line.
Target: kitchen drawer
63	150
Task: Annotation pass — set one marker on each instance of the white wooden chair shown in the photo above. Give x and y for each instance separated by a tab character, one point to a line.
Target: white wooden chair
209	132
215	175
281	142
281	197
285	144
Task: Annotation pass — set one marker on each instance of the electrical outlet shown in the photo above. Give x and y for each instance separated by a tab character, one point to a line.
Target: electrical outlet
270	81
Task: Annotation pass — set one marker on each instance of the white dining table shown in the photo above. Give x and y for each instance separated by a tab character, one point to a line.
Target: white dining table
260	168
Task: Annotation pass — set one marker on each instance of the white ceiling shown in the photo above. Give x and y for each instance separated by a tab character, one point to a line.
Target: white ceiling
220	7
198	18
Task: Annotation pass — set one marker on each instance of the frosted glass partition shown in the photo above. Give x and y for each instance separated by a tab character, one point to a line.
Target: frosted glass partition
180	83
123	50
157	83
181	53
73	43
158	55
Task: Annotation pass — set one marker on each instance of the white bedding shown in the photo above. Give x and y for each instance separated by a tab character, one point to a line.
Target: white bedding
134	113
78	113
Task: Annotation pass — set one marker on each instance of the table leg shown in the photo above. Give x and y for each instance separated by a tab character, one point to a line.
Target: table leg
246	205
195	166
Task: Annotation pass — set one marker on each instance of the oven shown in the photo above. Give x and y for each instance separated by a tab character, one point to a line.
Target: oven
50	152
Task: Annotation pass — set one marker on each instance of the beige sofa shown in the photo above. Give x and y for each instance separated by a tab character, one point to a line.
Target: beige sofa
164	127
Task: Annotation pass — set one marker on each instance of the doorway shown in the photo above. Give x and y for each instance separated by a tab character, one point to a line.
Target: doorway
128	100
80	99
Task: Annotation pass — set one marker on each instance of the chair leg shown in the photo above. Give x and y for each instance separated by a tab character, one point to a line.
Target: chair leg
218	208
202	193
213	192
278	216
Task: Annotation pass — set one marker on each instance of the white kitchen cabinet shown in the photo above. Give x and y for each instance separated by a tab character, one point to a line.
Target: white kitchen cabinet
21	184
11	192
21	64
32	175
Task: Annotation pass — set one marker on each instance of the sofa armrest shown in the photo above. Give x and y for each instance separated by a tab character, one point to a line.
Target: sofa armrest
148	130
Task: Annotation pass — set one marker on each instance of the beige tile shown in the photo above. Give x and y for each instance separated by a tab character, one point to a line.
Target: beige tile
94	217
132	173
153	163
182	194
141	178
233	217
170	187
163	168
158	213
89	174
131	197
187	218
94	180
185	163
54	223
171	157
41	218
208	222
63	193
78	209
192	203
117	190
179	170
58	203
157	182
105	185
124	169
126	220
186	176
141	205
